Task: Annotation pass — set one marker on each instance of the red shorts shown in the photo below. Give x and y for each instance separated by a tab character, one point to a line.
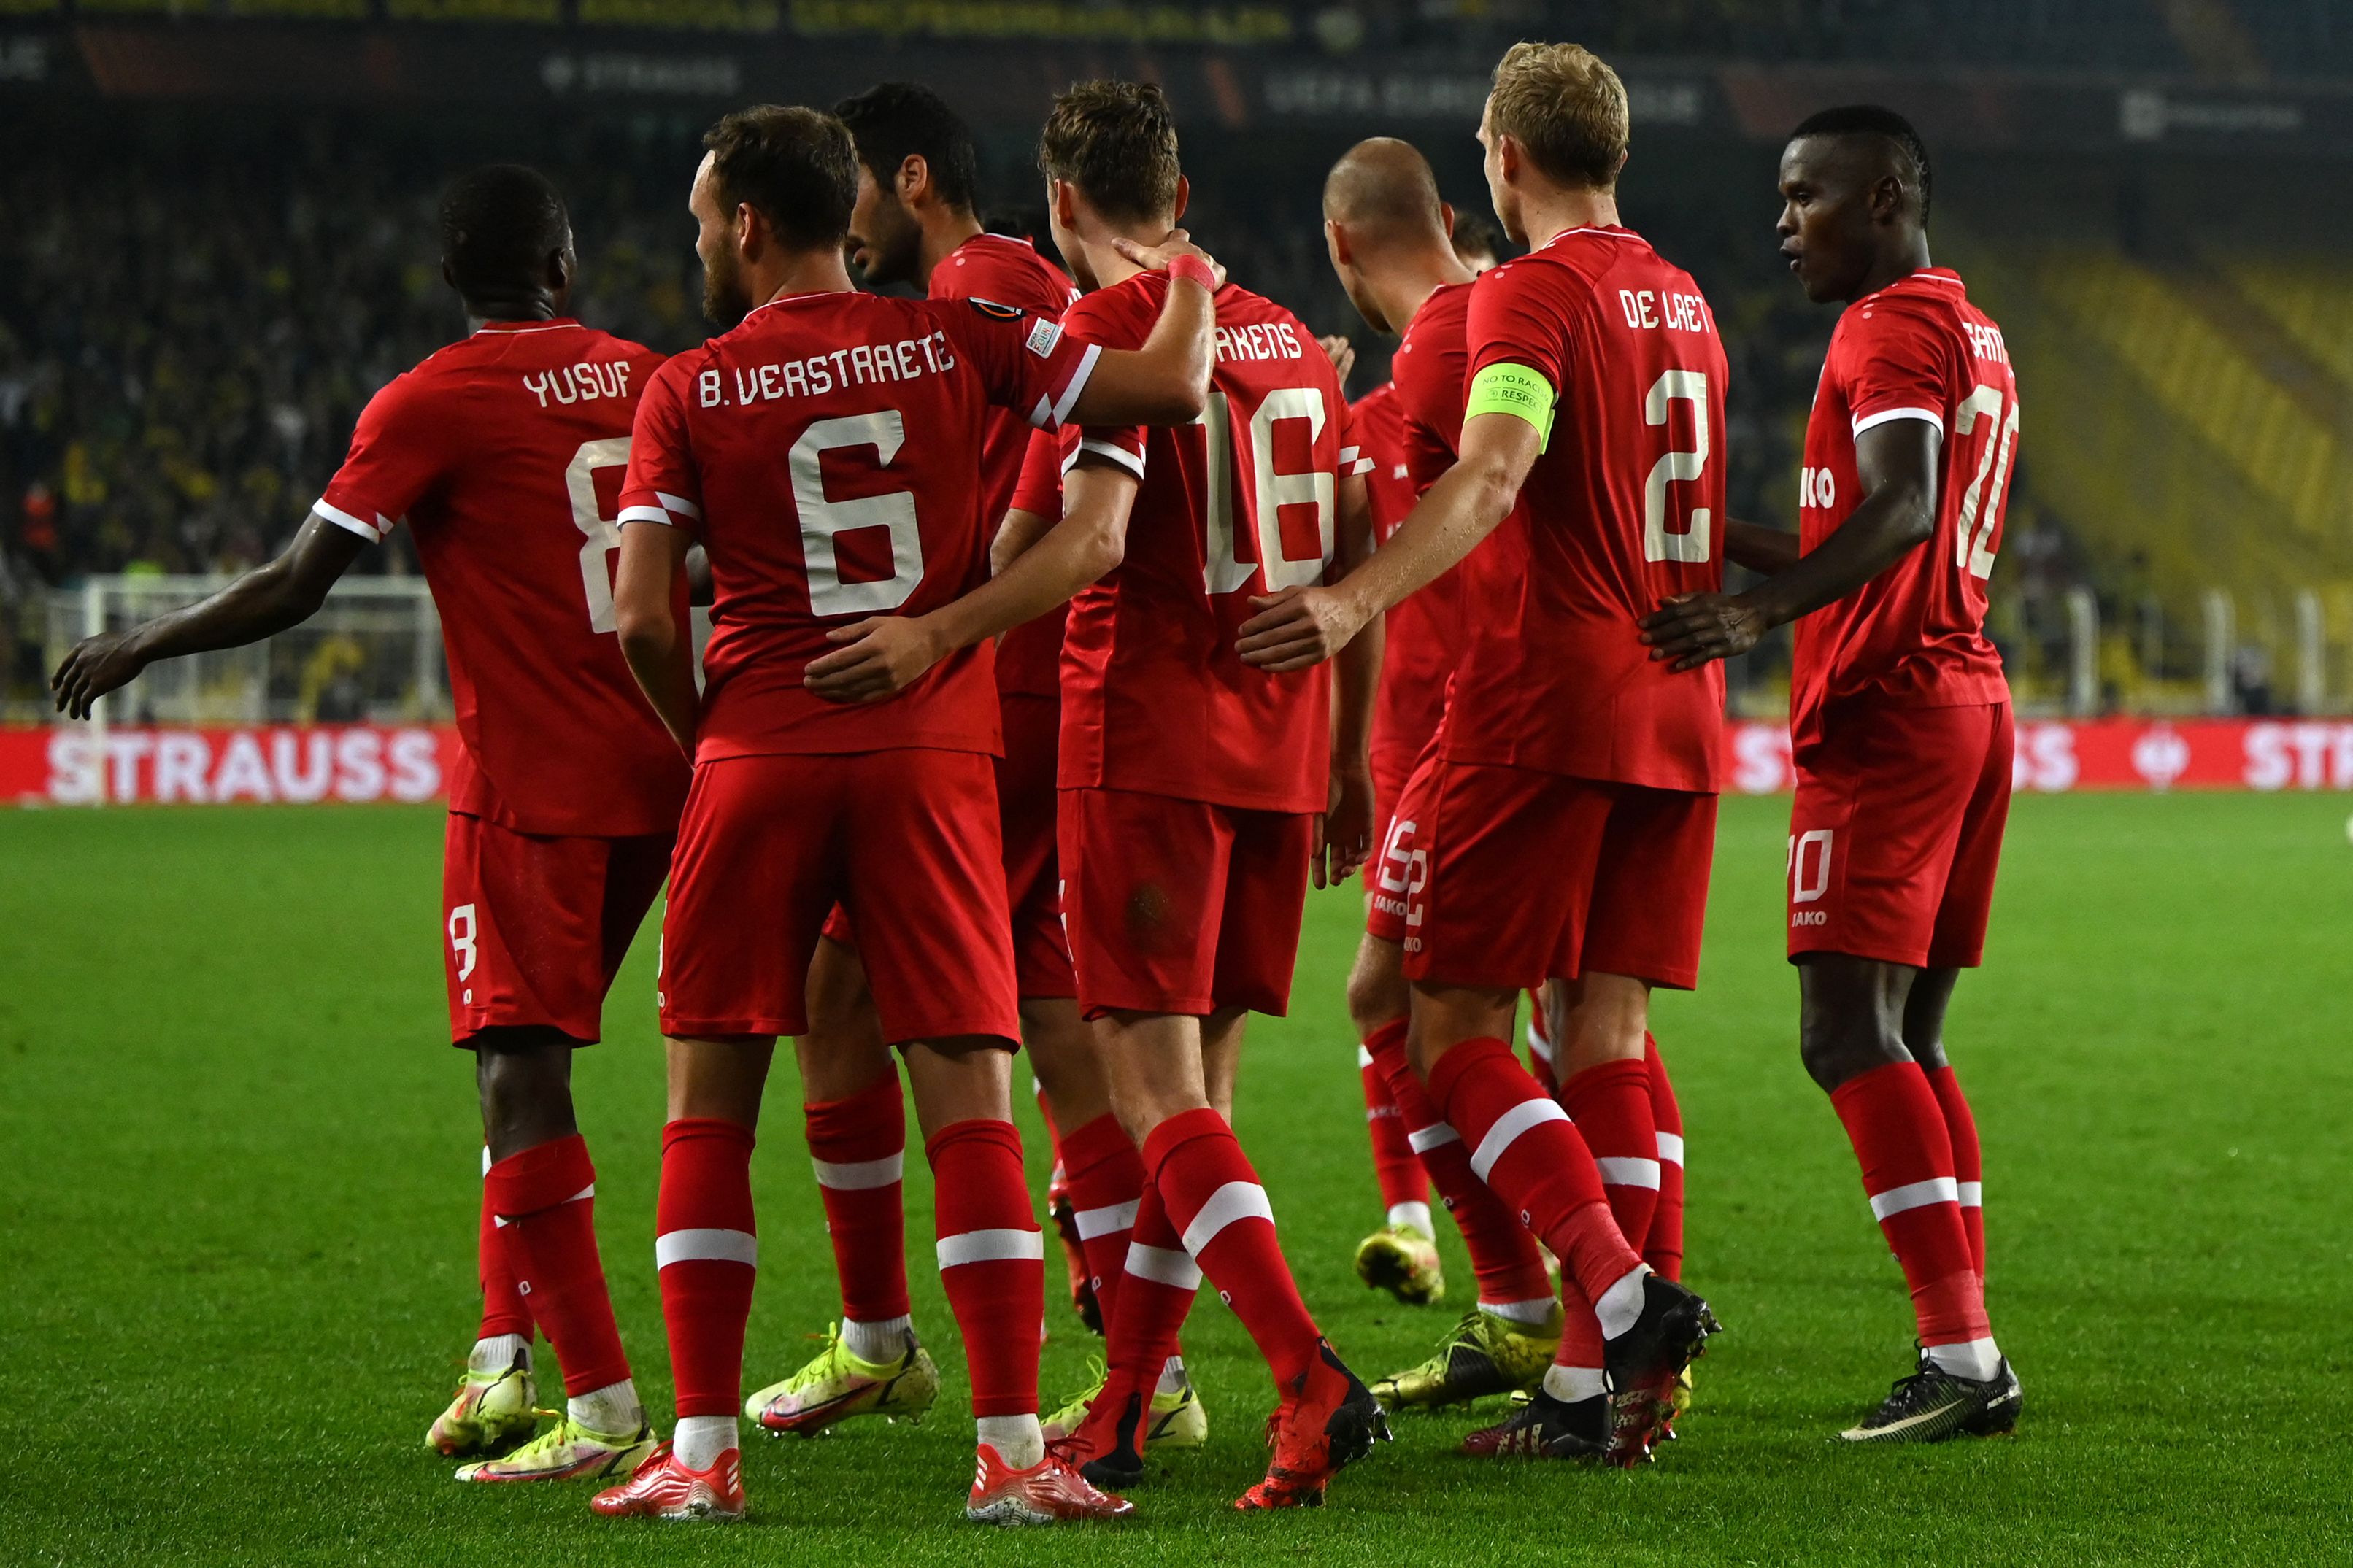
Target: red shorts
904	840
535	926
1180	906
1398	869
1527	876
1033	879
1028	812
1896	831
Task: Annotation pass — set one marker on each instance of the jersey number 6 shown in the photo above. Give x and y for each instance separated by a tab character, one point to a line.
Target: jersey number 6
822	519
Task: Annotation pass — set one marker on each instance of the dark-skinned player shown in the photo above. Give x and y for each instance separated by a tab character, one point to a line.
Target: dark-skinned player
503	454
1900	722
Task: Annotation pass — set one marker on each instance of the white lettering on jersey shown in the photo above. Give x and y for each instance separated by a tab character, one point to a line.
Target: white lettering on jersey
1259	340
1986	342
1663	312
867	364
584	382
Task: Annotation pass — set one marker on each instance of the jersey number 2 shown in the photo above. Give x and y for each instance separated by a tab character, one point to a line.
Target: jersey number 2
1660	542
604	535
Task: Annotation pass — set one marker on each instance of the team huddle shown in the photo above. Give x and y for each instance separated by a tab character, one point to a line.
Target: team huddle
1066	628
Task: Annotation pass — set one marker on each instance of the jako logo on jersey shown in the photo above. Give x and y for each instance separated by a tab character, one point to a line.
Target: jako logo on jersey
578	383
1817	488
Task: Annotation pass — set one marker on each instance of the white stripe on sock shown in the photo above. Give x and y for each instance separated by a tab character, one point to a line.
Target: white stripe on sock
1424	1139
1572	1384
1671	1148
1507	1129
1093	1223
1234	1202
1535	1313
1972	1194
1617	1170
991	1246
1620	1307
1977	1360
1364	1057
1914	1195
860	1175
1163	1267
1412	1216
1538	1047
706	1246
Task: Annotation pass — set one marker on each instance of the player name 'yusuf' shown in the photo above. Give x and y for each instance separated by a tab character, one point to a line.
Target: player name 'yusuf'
580	383
867	364
1669	312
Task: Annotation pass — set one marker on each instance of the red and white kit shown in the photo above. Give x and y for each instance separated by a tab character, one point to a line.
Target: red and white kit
504	454
823	452
1564	745
1191	780
1028	657
1423	632
1900	718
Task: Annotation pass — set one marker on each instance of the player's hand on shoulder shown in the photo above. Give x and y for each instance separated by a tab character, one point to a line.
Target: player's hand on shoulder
1691	628
1157	258
1347	824
1343	353
1297	628
96	666
876	659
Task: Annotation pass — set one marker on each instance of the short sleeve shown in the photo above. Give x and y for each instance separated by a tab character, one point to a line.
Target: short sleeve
1514	320
1039	488
663	484
1891	364
397	453
1025	363
1108	317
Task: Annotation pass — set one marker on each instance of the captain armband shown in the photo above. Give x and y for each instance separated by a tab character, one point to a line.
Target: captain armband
1515	389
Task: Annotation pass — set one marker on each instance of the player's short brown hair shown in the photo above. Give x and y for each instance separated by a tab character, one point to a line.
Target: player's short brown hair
1566	107
1116	143
794	166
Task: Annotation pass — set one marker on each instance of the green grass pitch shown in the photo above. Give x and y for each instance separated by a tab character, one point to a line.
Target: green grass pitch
237	1230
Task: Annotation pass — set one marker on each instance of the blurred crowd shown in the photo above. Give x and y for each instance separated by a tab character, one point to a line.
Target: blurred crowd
185	339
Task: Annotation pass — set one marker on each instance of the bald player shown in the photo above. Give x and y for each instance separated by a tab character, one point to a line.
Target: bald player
1390	241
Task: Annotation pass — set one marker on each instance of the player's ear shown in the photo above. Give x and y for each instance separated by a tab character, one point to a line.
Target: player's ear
1337	239
747	231
1184	194
1446	218
914	179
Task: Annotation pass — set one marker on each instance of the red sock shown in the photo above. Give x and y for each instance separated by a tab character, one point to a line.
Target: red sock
992	1260
504	1311
1217	1205
1610	1103
1898	1131
1524	1147
708	1253
1581	1344
1539	1043
1502	1254
1105	1181
1968	1171
1665	1249
1158	1281
859	1148
547	1196
1395	1165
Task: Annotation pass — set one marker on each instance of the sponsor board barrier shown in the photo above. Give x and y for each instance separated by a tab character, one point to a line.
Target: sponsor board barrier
77	765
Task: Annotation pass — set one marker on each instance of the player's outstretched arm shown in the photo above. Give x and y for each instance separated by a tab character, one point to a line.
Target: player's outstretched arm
1897	465
1303	626
1166	382
1348	826
883	655
647	614
264	602
1757	547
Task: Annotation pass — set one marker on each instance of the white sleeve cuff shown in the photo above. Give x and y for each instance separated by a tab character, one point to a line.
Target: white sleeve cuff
369	530
644	514
1050	415
1887	415
1132	461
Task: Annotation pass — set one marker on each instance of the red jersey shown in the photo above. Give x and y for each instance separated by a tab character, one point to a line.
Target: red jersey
1009	271
1424	632
823	451
1620	510
1914	635
503	454
1242	502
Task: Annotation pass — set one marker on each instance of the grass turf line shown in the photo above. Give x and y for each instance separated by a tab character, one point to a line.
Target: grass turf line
242	1169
